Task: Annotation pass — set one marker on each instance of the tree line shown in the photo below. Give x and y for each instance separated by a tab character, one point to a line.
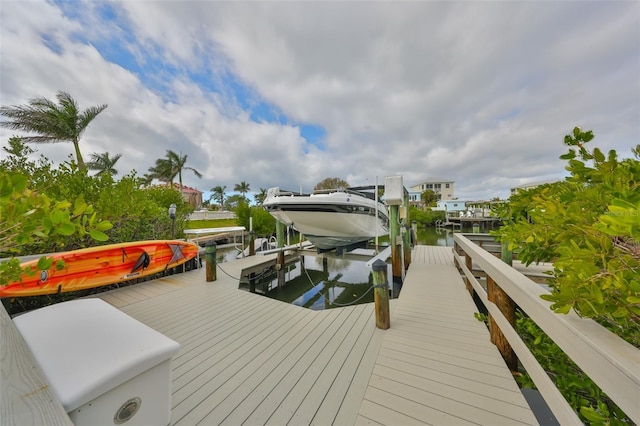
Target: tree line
48	121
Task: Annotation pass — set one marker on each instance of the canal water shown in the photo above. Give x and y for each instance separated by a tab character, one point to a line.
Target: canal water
327	281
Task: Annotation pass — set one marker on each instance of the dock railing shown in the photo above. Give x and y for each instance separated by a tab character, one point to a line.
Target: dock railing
612	363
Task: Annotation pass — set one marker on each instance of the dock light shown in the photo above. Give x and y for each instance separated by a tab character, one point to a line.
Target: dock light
172	215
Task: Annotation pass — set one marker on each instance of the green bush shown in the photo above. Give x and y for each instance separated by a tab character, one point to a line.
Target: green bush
589	227
264	225
426	217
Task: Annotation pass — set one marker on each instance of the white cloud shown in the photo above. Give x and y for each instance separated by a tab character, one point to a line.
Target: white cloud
479	92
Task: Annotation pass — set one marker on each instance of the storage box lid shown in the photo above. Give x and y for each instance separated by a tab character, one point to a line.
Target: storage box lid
87	347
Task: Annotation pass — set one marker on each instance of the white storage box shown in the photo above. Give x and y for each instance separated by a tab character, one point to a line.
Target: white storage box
106	367
393	190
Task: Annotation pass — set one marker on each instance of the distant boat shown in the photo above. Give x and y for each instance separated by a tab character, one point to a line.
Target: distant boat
331	219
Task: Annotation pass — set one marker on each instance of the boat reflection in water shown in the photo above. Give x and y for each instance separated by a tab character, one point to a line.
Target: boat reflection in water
319	283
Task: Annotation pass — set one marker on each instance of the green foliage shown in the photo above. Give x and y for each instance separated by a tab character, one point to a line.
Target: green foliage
210	223
582	394
140	213
264	224
261	196
232	202
135	212
242	187
218	194
425	217
33	222
588	226
429	198
331	183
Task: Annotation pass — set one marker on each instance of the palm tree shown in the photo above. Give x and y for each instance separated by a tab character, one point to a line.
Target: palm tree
178	162
218	195
163	171
103	163
242	188
261	196
51	122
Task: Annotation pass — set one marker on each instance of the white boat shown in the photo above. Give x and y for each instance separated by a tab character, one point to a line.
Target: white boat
332	219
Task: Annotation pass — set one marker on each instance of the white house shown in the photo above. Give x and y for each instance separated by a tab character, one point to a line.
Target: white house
442	187
451	205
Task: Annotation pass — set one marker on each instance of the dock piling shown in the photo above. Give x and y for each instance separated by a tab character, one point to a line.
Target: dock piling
252	243
210	258
395	241
280	258
381	294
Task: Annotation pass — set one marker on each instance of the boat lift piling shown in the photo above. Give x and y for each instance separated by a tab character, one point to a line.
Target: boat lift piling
406	229
280	261
210	261
394	198
252	238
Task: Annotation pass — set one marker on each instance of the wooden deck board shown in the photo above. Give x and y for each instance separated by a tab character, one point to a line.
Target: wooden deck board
428	366
247	359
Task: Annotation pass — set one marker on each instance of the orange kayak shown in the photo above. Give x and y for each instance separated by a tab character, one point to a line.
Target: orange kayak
98	266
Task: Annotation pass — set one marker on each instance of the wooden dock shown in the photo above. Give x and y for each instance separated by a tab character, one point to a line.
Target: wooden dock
247	359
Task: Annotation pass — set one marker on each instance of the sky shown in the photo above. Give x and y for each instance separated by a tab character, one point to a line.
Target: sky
288	93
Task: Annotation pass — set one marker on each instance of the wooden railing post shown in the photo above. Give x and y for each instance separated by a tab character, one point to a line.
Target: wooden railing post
456	249
469	264
210	260
381	294
508	308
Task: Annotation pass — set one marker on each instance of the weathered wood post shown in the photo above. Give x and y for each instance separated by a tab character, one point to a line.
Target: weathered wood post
406	237
280	260
394	241
508	308
414	230
406	244
394	194
210	260
252	243
381	294
469	264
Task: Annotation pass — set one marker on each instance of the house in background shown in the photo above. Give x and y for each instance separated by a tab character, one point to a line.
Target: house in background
191	195
451	205
443	188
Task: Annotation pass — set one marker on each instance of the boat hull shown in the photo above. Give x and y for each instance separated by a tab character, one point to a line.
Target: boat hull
331	220
98	266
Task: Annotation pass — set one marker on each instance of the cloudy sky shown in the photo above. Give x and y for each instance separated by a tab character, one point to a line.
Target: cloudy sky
289	93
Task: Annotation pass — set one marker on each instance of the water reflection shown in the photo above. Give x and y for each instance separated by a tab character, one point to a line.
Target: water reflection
318	283
435	237
325	281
